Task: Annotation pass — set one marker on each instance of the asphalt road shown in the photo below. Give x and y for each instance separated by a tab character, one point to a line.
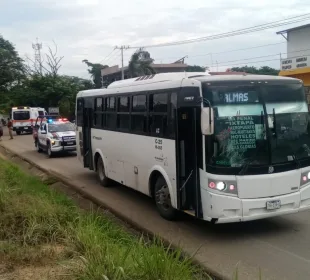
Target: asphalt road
280	246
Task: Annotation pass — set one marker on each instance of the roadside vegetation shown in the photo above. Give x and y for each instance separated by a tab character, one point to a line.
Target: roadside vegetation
44	235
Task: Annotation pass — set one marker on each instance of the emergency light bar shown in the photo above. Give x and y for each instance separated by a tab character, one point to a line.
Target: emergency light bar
60	120
21	107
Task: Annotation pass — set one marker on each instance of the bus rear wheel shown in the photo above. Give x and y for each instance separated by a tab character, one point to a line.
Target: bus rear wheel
163	200
18	132
103	179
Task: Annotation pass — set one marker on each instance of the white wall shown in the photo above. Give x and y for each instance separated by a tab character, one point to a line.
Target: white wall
298	40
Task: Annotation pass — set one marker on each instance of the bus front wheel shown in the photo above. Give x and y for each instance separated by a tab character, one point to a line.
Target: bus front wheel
163	200
103	179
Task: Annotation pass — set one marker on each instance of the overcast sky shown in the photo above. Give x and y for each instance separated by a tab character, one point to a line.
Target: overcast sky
89	29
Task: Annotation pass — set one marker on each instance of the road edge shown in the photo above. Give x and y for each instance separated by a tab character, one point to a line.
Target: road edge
115	212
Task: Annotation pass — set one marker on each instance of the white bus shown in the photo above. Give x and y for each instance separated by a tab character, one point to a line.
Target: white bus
225	149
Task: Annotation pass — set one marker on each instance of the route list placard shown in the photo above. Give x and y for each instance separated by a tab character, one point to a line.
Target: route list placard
242	132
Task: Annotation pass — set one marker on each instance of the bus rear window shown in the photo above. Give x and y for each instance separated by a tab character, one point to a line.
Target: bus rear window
21	115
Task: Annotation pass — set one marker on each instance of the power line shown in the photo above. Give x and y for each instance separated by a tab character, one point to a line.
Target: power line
222	52
113	57
230	51
252	62
235	32
245	59
264	56
107	56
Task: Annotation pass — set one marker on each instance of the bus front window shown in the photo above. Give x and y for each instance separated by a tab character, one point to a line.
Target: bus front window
239	127
288	117
258	125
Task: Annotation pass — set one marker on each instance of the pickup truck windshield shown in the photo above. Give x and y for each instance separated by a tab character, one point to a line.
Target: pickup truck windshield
52	128
258	124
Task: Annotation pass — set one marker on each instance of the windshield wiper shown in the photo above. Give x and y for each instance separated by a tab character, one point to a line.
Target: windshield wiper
249	162
246	166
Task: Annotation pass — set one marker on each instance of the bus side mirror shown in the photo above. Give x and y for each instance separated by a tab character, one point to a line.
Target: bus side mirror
207	121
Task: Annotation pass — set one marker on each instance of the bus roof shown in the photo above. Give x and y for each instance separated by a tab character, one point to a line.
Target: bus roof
246	77
155	78
152	81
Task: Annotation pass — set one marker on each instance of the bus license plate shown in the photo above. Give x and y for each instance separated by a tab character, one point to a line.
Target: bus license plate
69	143
274	204
25	127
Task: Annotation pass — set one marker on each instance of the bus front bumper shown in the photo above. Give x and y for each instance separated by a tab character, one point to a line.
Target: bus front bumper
229	209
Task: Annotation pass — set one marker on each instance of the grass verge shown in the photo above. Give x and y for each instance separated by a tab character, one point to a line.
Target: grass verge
45	235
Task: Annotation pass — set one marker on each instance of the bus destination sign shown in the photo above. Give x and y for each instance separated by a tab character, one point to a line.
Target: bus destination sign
239	97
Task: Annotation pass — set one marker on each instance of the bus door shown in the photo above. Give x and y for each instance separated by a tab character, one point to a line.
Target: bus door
188	158
85	116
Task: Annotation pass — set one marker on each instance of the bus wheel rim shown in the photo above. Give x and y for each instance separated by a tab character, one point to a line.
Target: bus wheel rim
163	197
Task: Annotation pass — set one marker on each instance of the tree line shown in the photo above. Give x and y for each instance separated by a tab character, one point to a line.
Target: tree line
24	82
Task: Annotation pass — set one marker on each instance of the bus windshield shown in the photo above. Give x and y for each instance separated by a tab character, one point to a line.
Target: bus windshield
21	115
258	124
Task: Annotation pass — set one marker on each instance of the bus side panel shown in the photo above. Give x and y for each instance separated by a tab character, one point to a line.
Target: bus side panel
130	157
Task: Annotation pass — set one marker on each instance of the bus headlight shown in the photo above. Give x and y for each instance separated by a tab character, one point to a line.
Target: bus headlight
229	187
305	178
221	186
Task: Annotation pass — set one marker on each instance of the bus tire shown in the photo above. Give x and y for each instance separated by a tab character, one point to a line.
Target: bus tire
18	132
163	200
101	175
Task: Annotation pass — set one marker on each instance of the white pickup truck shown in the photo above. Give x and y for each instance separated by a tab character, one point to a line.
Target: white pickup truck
56	136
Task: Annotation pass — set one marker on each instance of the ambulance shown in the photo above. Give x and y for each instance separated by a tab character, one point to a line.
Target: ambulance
23	118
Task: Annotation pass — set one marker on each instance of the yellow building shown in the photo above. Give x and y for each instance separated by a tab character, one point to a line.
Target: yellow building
297	61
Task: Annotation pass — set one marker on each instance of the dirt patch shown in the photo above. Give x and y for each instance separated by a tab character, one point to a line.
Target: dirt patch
31	272
45	262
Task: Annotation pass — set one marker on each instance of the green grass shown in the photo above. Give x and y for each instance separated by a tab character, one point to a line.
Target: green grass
39	225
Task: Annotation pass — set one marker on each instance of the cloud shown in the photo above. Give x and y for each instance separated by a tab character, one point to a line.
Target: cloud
89	29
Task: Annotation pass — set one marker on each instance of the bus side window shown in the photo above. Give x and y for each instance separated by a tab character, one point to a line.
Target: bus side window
138	114
111	113
123	113
79	112
159	114
172	115
104	108
98	113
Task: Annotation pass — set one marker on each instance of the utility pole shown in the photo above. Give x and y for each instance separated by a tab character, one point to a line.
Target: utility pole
122	48
37	56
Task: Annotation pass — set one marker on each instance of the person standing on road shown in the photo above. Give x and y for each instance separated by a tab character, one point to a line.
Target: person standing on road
10	127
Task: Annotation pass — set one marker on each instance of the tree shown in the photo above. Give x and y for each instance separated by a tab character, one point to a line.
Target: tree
95	72
195	68
140	64
44	87
12	70
264	70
